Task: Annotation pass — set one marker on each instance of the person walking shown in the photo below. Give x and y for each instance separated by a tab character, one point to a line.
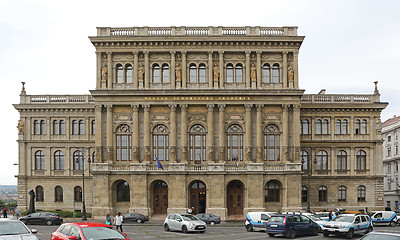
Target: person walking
118	221
17	213
108	219
5	213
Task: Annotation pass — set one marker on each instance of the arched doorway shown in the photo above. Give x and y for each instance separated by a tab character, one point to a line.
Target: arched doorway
198	197
160	197
235	198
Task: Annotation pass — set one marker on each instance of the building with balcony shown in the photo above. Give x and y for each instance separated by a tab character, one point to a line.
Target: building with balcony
205	117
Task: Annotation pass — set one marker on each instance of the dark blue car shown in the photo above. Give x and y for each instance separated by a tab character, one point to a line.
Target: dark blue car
291	225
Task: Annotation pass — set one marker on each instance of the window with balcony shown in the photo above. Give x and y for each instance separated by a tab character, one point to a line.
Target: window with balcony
124	143
235	143
39	160
161	143
271	143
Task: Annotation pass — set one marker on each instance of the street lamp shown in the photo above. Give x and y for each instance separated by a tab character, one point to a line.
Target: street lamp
83	183
309	166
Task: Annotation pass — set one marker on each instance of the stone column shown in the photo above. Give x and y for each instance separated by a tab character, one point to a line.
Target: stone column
210	134
284	69
172	140
296	69
135	134
146	131
109	70
184	70
98	70
99	133
146	70
184	131
210	69
351	127
249	134
285	133
221	69
259	132
248	82
172	70
296	132
109	139
221	133
135	69
258	69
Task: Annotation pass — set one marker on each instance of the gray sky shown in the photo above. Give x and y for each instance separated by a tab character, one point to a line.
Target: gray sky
348	45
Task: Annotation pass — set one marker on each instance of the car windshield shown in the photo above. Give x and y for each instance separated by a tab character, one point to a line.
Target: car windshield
344	219
314	217
276	219
373	236
101	233
12	228
189	217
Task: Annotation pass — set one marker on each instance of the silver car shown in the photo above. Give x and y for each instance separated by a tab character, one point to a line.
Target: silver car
14	229
184	222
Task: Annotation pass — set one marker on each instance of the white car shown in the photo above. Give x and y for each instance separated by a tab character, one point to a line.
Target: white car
15	229
184	222
348	225
316	219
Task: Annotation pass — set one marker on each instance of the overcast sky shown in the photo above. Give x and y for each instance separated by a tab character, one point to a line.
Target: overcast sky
348	46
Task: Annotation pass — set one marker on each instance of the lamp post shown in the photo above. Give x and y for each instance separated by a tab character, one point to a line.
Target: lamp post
308	181
83	184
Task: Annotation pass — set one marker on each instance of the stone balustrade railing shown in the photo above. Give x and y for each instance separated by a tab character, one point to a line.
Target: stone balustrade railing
54	99
339	98
197	31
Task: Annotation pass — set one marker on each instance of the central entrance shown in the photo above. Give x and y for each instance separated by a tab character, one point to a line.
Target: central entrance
235	198
198	197
160	197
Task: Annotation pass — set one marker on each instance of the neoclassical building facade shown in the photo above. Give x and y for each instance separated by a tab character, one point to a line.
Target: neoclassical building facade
204	117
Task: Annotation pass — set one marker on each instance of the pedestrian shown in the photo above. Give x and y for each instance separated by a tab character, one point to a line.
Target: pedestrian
17	212
330	215
189	210
108	219
5	213
13	212
118	221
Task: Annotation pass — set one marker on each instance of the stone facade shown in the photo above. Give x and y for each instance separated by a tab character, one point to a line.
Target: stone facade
209	117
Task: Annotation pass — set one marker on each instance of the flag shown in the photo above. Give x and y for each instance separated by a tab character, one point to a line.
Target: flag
159	164
236	163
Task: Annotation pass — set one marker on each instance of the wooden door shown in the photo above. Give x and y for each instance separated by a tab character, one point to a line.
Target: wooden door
235	198
160	198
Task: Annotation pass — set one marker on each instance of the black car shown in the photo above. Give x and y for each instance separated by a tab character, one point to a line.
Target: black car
42	218
135	217
209	218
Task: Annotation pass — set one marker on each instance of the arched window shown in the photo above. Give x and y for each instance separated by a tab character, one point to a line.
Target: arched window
78	160
342	194
266	73
156	73
128	73
361	192
235	143
364	127
338	126
39	160
361	158
58	160
56	127
239	73
357	127
161	143
322	194
36	127
322	160
304	194
304	126
304	160
58	194
197	143
229	73
318	125
42	127
165	73
77	194
123	192
120	73
345	127
325	126
124	143
93	127
62	127
81	127
39	194
342	160
271	143
275	73
202	73
192	73
75	129
272	191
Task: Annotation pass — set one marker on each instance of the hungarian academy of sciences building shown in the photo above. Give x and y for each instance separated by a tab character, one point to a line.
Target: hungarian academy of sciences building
205	117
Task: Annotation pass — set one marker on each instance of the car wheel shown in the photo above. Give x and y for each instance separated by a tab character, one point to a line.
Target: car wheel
202	231
212	223
166	227
292	234
139	220
325	233
23	221
368	230
184	229
350	234
249	228
392	224
271	234
49	222
315	231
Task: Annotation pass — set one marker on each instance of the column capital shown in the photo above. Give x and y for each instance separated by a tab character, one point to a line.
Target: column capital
184	53
109	107
109	53
295	52
210	52
183	106
135	53
285	106
259	107
248	107
248	53
172	52
221	107
98	108
221	52
135	107
146	107
296	107
210	107
285	53
173	107
98	53
259	53
146	53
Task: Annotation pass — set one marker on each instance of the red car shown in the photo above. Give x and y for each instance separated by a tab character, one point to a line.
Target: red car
86	231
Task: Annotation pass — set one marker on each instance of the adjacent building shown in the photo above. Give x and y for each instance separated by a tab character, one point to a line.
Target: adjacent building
205	117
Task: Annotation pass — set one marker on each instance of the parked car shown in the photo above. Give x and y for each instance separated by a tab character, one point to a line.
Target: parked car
384	218
48	218
209	218
348	225
381	235
257	220
135	217
184	222
325	215
291	225
316	219
11	229
86	231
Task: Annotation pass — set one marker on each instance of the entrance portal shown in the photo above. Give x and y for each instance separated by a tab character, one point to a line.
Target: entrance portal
160	197
235	198
198	197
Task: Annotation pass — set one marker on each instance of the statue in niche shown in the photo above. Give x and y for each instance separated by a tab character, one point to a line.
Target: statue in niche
104	73
141	73
216	72
20	127
290	73
178	72
109	154
248	153
221	153
253	72
135	153
173	152
147	154
210	156
184	154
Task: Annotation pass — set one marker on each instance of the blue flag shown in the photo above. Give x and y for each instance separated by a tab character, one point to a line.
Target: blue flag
159	164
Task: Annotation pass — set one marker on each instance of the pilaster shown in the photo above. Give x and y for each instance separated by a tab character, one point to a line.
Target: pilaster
184	131
146	131
248	82
109	139
210	133
285	132
135	134
221	69
249	134
296	69
172	123
173	82
98	70
109	70
210	69
146	70
284	69
135	70
259	132
221	133
184	70
258	69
